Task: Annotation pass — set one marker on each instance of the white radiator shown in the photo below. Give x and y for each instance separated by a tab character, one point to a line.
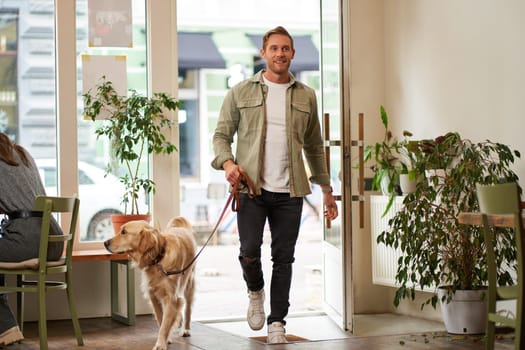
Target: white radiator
384	259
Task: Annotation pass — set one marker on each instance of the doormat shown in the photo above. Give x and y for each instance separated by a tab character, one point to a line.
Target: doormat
290	337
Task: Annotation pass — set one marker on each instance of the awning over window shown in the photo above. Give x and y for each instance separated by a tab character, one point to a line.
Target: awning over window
306	54
197	50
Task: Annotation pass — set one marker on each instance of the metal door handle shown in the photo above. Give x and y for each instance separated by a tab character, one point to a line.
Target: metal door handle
326	134
361	180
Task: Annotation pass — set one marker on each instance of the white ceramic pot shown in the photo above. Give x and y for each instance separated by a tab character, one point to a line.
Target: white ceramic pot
407	185
385	182
466	313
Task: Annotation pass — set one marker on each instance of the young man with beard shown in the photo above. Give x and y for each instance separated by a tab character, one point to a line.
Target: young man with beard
276	121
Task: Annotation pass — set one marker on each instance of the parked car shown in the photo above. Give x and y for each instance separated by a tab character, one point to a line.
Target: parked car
99	195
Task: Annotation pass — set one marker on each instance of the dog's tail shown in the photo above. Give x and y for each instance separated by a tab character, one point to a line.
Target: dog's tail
179	221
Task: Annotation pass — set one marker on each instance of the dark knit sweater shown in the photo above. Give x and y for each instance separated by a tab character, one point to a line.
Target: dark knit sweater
19	185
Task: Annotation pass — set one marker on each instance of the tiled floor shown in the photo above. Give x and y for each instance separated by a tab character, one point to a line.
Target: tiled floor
315	327
320	327
106	334
392	324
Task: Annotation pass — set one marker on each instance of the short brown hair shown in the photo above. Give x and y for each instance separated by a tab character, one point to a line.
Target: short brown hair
276	30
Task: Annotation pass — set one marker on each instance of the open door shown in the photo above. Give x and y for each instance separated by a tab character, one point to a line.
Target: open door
337	296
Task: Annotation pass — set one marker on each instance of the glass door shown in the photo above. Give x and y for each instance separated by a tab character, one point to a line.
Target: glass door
336	250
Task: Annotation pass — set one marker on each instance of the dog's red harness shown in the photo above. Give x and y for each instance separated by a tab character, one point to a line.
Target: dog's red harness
243	182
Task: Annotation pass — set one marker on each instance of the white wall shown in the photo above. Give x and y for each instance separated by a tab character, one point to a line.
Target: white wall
437	66
366	94
456	65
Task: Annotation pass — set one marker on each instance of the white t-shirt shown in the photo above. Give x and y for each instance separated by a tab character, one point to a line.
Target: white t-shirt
275	176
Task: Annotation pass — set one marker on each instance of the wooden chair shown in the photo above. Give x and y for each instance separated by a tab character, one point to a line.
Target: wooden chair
495	200
40	269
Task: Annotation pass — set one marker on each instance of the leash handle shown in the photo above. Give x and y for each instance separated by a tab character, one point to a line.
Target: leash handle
242	182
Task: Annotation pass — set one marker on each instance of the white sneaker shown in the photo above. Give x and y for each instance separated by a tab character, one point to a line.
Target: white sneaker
276	333
256	317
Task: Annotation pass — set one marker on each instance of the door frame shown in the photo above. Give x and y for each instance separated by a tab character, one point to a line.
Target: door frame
346	174
341	256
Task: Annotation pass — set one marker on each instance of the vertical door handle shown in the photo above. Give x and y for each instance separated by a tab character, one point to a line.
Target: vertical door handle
361	180
326	136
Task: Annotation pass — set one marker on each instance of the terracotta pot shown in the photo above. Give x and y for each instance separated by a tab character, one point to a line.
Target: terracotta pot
120	219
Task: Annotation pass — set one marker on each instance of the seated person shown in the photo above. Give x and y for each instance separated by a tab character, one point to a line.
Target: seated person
20	228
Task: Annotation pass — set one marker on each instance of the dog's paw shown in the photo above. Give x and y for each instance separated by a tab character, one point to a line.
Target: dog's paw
178	332
160	346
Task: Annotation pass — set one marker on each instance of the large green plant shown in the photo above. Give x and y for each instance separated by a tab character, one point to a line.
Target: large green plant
135	126
435	249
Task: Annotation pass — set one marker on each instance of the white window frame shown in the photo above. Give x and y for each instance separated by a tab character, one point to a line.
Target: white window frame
162	70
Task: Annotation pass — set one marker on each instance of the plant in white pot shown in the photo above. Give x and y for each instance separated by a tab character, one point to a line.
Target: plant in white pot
135	126
409	155
387	161
436	251
385	165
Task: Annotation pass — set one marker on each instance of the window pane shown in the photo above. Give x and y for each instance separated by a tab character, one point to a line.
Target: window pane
27	86
100	193
189	139
8	71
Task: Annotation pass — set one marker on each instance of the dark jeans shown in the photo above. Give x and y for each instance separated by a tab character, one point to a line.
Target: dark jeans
284	218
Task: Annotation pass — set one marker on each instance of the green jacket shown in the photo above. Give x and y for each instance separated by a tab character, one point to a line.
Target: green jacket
243	113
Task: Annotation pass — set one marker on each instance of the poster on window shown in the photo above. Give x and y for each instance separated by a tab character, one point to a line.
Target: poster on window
97	68
110	23
9	118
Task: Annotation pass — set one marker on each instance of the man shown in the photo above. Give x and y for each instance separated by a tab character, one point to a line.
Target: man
276	121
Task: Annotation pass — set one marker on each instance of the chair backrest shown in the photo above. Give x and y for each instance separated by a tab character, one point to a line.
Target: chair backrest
49	205
501	199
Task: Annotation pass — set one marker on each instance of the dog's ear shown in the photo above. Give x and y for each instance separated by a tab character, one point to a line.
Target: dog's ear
148	245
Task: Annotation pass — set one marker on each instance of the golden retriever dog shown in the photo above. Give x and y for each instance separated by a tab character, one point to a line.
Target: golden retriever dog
155	253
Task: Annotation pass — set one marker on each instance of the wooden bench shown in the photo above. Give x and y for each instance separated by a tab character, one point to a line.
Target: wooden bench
115	260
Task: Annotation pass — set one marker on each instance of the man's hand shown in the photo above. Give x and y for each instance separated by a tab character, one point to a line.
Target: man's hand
331	210
232	171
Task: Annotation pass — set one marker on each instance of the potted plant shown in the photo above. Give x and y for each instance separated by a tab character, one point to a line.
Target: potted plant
436	251
409	157
135	126
437	155
386	161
